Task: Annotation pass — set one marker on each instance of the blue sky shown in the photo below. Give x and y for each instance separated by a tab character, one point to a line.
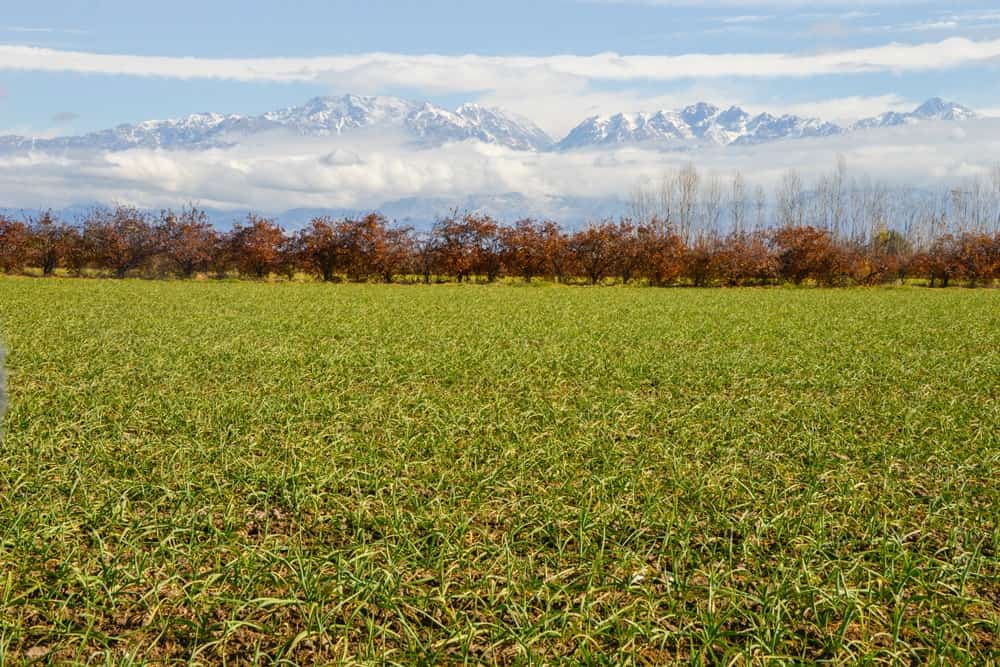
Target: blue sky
59	98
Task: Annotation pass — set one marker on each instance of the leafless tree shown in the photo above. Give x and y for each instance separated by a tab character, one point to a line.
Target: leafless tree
738	203
790	200
688	181
760	208
711	207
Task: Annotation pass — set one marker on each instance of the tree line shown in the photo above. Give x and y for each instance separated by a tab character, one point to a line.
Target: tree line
124	241
689	230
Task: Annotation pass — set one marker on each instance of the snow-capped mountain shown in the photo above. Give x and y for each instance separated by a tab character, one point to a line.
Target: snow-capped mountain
698	124
932	109
428	125
193	131
322	116
504	127
705	124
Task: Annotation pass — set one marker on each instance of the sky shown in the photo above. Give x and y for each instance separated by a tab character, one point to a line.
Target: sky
70	66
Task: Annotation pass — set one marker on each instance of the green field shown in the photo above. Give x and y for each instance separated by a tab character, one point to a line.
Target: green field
206	472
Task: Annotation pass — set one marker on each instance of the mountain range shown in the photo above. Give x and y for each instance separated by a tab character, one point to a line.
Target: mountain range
422	122
704	123
426	124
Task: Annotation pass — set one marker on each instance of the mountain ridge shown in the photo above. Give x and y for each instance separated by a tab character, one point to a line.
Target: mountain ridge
423	122
706	123
427	125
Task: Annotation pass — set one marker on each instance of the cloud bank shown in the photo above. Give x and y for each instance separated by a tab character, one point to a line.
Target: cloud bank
278	172
778	4
477	72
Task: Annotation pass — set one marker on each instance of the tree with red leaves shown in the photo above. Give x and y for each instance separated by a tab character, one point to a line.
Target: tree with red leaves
594	250
744	258
627	250
188	239
13	245
662	253
940	263
50	241
320	249
392	252
257	246
121	239
810	253
524	251
456	246
558	254
469	246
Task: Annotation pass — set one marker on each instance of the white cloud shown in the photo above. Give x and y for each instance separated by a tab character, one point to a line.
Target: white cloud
41	30
930	25
278	173
477	72
18	28
747	18
780	4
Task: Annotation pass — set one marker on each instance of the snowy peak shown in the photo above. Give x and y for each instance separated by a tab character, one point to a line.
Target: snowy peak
335	115
472	121
422	122
502	127
703	124
933	109
766	127
700	123
733	118
938	109
662	126
427	125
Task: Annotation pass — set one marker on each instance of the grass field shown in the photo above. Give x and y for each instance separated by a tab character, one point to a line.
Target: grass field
206	472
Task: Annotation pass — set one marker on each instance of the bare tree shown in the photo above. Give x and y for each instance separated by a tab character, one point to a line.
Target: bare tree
738	203
667	212
711	207
687	200
791	200
760	208
642	203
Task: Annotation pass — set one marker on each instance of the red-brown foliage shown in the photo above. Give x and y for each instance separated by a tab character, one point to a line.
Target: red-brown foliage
320	249
524	251
257	246
120	239
468	246
972	257
13	245
662	254
744	259
594	250
188	241
50	242
125	240
810	253
628	250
